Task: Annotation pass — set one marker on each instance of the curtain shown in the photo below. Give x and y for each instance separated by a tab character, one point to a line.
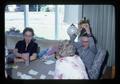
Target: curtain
102	21
72	14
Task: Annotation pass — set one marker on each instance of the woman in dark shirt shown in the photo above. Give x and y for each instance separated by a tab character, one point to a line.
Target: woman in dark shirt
26	47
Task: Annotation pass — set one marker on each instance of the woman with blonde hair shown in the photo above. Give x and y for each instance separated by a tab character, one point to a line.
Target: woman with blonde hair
69	65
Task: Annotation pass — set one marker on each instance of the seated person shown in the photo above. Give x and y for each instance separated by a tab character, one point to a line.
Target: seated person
26	49
42	53
48	52
86	48
69	65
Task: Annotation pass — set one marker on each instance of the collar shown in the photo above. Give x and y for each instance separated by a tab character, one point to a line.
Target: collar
29	43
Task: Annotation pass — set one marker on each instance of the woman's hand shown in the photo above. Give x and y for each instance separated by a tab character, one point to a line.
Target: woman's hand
87	28
25	56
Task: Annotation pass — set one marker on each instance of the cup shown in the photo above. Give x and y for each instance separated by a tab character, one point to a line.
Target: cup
27	61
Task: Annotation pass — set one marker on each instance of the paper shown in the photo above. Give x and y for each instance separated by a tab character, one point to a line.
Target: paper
49	62
51	73
42	76
24	76
19	73
33	72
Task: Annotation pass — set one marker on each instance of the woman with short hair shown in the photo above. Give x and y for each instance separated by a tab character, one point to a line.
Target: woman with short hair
69	65
26	49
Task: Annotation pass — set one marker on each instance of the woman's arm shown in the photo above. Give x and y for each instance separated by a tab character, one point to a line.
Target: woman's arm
92	45
76	44
15	51
72	38
52	51
33	56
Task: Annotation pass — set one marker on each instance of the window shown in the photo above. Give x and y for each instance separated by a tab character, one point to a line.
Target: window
43	21
14	17
40	17
46	20
62	26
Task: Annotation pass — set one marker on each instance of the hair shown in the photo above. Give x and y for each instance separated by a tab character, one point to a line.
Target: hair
28	29
64	51
83	21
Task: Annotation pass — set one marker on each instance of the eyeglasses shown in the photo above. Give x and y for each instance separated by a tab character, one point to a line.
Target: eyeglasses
28	36
85	41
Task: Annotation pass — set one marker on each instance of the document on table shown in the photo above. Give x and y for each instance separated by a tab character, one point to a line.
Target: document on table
51	73
24	76
19	73
32	72
49	62
42	76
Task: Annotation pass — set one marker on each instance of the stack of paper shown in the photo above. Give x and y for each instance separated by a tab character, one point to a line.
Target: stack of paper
51	73
49	62
19	73
33	72
42	76
24	76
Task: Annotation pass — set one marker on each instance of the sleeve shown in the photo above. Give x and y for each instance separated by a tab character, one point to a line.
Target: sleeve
96	67
77	45
35	48
17	45
72	38
92	45
52	51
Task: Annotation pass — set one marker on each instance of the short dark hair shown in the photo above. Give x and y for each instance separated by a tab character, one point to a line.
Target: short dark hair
28	29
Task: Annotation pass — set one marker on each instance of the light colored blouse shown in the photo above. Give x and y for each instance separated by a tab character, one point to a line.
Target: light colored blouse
70	68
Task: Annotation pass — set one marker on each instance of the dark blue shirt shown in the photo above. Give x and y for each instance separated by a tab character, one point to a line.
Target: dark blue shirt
31	48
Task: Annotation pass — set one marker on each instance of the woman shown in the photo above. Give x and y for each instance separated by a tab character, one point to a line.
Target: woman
26	49
83	28
86	49
69	65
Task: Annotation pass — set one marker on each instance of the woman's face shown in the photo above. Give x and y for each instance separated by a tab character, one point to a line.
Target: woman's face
28	36
85	42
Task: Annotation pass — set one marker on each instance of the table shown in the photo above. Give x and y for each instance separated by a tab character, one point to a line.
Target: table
36	65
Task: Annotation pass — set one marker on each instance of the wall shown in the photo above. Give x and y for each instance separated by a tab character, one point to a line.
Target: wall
42	43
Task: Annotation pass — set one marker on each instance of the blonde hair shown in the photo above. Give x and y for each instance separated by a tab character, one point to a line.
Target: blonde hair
66	50
83	21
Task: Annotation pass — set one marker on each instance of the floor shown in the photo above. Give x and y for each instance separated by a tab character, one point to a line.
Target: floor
108	73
